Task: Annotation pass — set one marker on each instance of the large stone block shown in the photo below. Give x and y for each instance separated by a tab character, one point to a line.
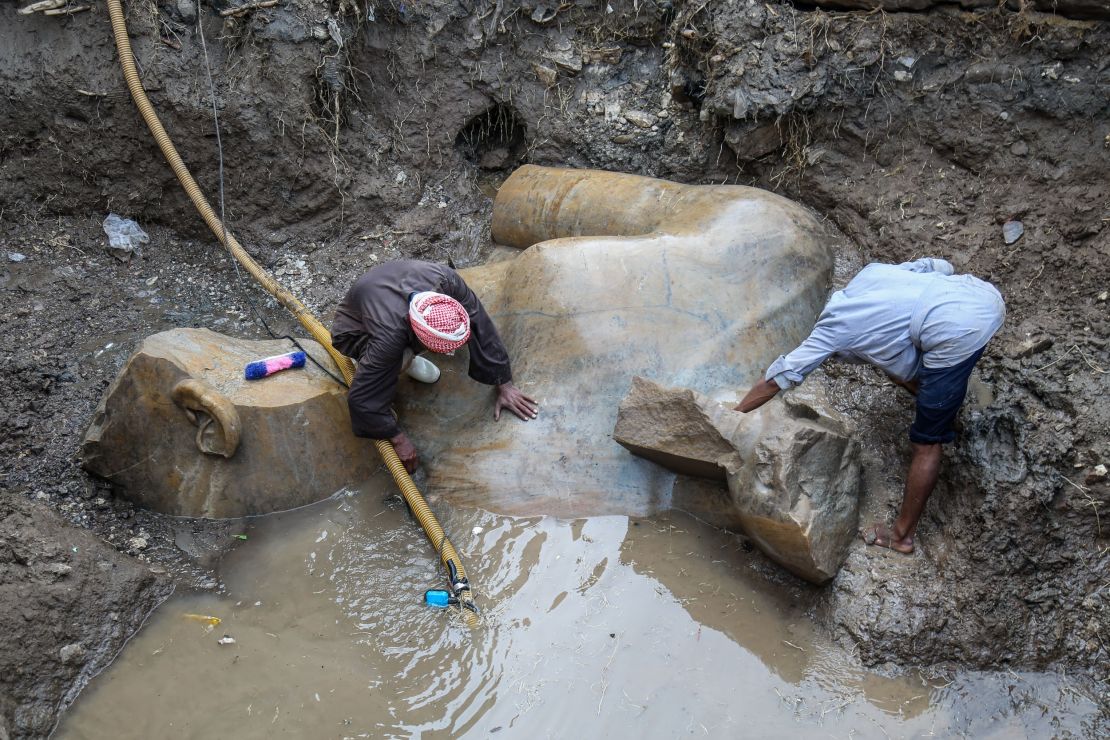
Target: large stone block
792	468
616	276
181	431
695	286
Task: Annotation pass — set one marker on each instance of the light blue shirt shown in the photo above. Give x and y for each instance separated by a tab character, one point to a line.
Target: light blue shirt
899	318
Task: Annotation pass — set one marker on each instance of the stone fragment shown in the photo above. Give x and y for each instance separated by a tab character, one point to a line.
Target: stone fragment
671	427
639	118
73	653
1029	347
603	55
59	570
545	74
187	9
567	59
543	15
181	431
792	469
1012	231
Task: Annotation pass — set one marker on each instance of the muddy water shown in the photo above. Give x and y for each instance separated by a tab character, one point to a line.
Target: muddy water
604	626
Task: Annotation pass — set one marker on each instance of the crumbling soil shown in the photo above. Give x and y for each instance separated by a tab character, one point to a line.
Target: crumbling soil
355	132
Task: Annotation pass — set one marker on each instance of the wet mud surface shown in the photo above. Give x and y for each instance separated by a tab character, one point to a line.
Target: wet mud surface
649	627
913	133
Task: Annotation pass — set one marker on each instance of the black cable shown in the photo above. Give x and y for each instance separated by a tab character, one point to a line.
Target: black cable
223	215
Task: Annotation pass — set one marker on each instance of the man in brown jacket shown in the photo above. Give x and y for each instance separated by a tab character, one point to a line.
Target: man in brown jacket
399	309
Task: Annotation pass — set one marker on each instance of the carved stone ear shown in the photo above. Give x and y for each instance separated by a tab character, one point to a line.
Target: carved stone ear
213	413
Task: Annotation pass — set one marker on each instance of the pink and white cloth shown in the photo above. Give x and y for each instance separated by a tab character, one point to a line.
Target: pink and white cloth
440	322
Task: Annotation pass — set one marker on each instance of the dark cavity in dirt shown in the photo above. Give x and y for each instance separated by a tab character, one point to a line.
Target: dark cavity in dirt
358	132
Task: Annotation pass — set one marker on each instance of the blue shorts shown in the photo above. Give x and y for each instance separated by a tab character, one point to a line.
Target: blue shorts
940	395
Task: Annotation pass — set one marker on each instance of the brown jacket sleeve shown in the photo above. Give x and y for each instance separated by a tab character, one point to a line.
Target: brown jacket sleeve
489	360
372	390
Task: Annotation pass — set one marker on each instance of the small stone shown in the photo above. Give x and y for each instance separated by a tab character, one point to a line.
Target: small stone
72	653
1097	474
187	9
639	118
1012	231
622	138
137	544
1103	295
545	74
567	60
1019	149
902	75
1029	347
61	570
16	257
543	15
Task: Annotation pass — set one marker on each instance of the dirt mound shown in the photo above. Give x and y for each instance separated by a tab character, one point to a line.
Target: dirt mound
355	133
70	602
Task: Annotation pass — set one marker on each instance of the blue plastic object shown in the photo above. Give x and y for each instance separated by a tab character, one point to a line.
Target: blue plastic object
438	598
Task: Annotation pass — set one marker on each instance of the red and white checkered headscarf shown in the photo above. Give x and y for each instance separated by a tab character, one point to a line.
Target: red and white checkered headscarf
440	322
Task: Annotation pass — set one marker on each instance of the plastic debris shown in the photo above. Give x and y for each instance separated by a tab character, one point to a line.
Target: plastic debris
210	621
240	536
1012	231
439	598
125	238
226	640
16	257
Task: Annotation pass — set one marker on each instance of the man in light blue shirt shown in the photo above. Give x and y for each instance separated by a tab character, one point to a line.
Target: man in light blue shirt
925	328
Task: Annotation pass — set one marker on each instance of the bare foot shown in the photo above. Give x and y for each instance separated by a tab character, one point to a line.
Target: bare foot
882	536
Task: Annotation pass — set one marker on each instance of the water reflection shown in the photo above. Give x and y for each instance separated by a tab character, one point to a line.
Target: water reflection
654	628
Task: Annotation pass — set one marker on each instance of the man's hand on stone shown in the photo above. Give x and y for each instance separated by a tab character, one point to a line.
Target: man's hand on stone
510	397
761	393
406	451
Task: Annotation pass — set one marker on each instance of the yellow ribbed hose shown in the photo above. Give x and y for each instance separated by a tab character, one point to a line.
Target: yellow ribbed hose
404	481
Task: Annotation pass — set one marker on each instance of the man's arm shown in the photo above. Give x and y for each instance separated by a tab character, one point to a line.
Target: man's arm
489	360
370	397
790	370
